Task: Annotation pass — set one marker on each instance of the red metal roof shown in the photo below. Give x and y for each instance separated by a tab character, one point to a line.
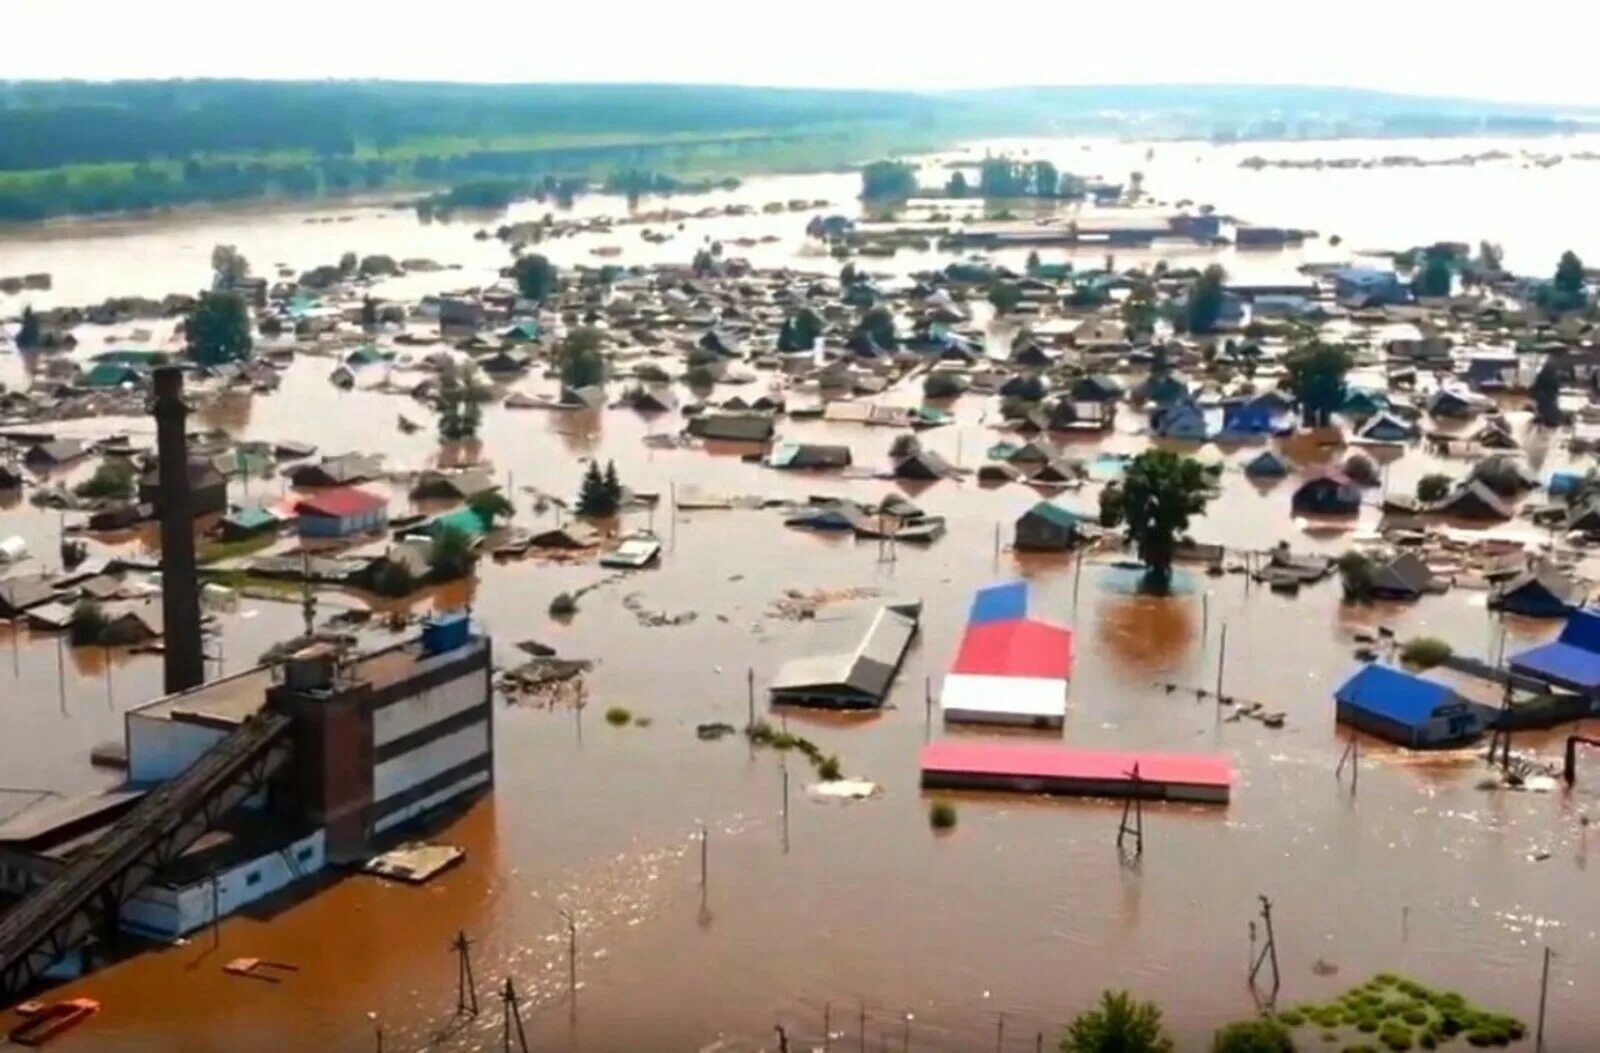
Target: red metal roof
1015	648
1057	762
341	502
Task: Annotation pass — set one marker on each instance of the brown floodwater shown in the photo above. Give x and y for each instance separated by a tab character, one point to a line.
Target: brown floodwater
819	908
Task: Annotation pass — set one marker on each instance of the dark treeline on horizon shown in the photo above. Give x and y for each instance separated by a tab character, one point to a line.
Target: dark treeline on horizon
74	147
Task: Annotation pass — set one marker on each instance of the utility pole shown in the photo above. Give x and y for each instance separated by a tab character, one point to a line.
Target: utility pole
1000	1034
750	697
705	848
827	1026
862	1026
572	956
1544	990
1134	803
783	765
927	709
513	1015
466	986
1222	661
1269	952
1352	757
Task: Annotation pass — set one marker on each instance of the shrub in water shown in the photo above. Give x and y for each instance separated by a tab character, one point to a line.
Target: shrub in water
942	815
619	716
565	605
829	770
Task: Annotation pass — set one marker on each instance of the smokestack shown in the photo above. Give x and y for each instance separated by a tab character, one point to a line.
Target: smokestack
180	601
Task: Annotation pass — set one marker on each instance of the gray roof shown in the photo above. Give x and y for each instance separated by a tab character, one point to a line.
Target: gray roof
24	591
861	675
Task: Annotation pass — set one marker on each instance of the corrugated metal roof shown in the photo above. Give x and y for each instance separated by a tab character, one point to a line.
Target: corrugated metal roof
1015	648
997	603
995	758
1395	694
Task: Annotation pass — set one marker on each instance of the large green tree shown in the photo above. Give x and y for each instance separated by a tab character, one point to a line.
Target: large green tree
957	186
1315	374
536	277
1160	491
451	555
228	265
219	329
1119	1024
1205	300
1140	310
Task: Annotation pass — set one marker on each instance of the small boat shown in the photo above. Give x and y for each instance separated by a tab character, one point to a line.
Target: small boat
49	1021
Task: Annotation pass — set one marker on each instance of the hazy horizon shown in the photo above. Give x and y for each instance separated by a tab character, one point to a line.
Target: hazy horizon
827	44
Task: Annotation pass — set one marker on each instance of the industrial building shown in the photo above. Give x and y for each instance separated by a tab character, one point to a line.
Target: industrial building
241	786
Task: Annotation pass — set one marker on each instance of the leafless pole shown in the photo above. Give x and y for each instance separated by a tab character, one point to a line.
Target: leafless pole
61	672
513	1014
572	955
1544	990
927	708
827	1026
1222	660
466	986
750	696
784	766
705	848
1000	1034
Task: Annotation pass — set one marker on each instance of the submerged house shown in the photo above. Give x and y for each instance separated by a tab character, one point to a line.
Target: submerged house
1329	494
857	678
1405	577
1047	527
1473	500
925	466
1540	592
208	489
342	512
1408	710
1182	421
1386	427
1368	287
733	427
808	456
1571	661
1266	465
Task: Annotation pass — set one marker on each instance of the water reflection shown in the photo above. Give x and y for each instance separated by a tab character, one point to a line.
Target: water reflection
1146	635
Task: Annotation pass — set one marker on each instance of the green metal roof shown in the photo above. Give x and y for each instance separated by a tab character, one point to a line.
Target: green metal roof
1055	514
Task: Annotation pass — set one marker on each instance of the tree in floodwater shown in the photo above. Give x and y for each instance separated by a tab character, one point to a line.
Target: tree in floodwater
29	332
1160	491
595	499
579	359
1119	1024
1436	275
1546	392
1567	290
1140	310
1315	375
1005	297
957	186
1205	300
219	329
451	555
228	265
888	181
461	394
800	330
877	326
536	277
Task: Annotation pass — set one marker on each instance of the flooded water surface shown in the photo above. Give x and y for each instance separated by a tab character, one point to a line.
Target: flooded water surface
813	909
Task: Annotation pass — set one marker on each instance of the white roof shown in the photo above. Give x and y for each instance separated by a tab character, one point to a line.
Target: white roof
1004	699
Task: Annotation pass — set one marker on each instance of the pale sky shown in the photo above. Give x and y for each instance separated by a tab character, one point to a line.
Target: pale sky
1535	52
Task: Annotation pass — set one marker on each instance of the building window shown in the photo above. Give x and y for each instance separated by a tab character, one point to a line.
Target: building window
303	854
253	878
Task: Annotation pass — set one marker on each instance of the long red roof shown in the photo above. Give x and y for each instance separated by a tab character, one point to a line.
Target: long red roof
1015	648
341	502
1059	762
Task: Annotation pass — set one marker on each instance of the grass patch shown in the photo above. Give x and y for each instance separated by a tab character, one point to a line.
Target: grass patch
1396	1014
942	815
217	551
619	716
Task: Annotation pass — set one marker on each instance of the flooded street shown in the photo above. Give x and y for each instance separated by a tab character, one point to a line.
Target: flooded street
816	909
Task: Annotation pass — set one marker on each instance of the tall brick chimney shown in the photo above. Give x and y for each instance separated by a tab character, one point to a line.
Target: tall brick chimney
180	600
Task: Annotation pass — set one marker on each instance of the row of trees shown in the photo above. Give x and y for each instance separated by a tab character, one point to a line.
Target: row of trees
888	181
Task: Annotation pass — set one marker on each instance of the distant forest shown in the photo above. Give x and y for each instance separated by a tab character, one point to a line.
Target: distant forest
71	147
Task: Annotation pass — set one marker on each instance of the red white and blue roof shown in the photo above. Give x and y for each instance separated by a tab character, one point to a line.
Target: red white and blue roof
1009	668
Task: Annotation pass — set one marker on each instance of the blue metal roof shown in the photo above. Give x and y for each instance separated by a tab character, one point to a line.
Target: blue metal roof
1583	630
1394	694
1562	664
999	603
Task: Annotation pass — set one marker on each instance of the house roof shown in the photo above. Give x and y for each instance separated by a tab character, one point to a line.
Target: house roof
1052	513
733	427
1015	648
1266	463
20	593
1474	499
994	603
250	518
1544	580
1405	574
1395	694
341	502
1572	660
